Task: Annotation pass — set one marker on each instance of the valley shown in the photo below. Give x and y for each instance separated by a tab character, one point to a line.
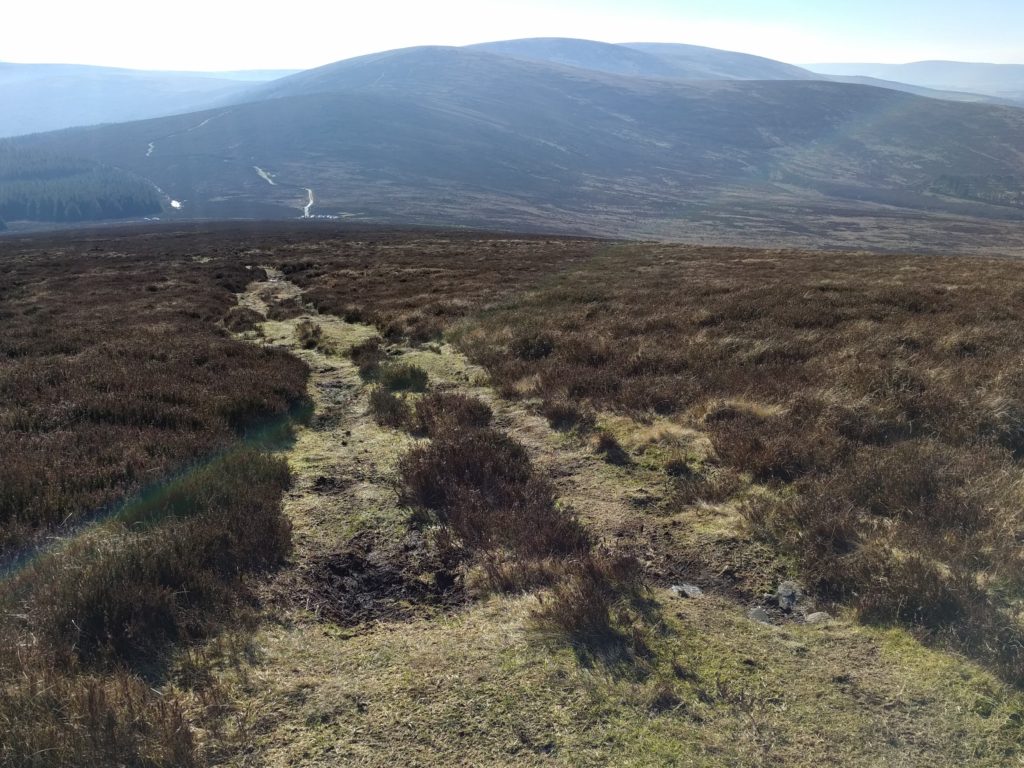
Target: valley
677	143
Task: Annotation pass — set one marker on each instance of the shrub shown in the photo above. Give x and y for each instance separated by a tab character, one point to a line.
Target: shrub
52	720
534	346
582	604
368	355
563	415
241	319
440	412
308	334
402	376
123	598
608	446
389	410
482	486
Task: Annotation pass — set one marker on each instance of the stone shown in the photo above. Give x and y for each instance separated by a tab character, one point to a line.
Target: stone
819	617
759	614
687	590
787	595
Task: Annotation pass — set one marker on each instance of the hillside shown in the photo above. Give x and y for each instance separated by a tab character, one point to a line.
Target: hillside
664	60
309	494
467	137
46	97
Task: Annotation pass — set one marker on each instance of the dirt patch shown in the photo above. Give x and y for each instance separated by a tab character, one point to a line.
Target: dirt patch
327	485
372	581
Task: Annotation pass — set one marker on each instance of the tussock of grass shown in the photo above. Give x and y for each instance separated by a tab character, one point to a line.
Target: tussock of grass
308	334
402	376
368	355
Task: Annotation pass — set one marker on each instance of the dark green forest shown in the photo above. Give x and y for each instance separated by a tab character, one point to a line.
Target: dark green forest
37	186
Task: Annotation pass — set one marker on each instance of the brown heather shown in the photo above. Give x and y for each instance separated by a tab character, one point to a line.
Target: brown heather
874	403
887	391
116	381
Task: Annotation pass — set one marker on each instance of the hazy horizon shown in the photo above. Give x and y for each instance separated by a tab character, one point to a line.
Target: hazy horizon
196	36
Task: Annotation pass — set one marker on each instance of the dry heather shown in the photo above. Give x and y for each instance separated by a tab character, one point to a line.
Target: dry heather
487	506
878	400
123	403
866	413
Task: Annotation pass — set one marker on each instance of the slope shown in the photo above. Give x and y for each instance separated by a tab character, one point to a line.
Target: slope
430	135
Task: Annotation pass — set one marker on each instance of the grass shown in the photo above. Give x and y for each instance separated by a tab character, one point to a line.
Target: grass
479	688
810	373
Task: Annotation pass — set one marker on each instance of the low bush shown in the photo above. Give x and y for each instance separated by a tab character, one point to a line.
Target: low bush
608	446
121	597
534	346
440	412
53	720
241	319
402	376
482	486
586	603
390	410
368	355
564	415
308	334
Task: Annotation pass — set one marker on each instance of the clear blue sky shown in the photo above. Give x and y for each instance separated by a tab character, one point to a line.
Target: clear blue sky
214	34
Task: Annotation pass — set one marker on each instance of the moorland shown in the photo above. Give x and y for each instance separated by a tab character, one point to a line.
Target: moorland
300	493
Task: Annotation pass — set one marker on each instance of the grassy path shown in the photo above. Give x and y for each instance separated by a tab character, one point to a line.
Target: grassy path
481	687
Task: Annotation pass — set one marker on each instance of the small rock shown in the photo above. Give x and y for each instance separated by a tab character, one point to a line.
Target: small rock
759	614
818	618
787	595
687	590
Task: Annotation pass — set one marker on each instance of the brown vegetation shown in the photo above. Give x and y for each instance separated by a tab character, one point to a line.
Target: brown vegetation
123	402
402	376
872	406
824	377
114	374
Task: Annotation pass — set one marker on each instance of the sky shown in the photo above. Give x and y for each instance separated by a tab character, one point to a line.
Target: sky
221	35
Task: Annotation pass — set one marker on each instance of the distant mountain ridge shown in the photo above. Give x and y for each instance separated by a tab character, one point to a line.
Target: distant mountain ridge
1005	81
45	97
660	60
471	137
